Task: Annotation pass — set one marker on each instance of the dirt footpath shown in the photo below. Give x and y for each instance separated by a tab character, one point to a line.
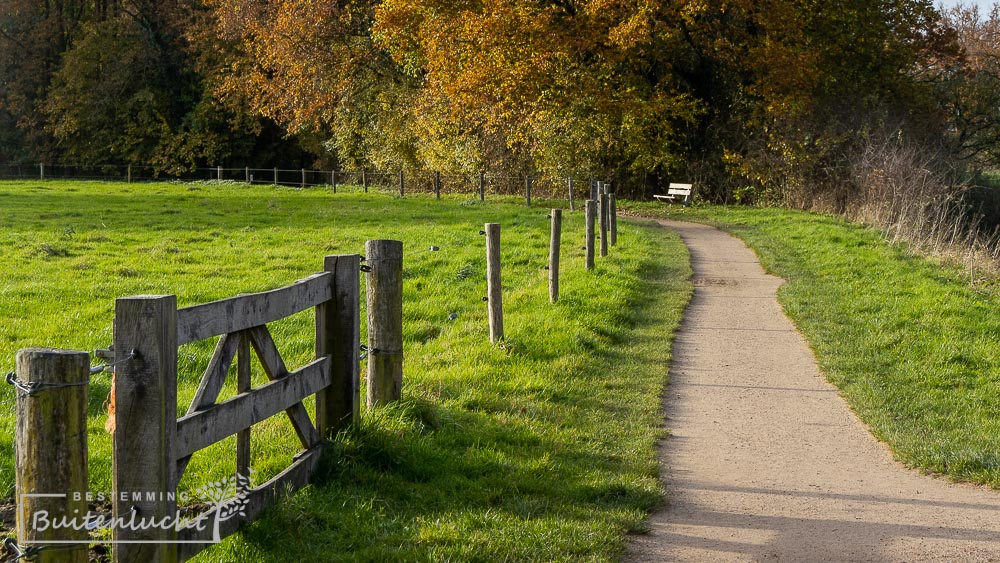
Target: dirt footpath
765	462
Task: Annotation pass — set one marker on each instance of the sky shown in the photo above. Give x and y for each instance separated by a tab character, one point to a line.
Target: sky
983	4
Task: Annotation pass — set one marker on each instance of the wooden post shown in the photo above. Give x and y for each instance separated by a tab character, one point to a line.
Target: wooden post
593	189
219	168
338	333
602	203
246	174
482	186
145	389
385	320
613	216
437	184
572	203
591	211
51	451
333	180
494	290
41	171
243	385
400	183
554	243
364	180
303	177
128	174
527	191
275	176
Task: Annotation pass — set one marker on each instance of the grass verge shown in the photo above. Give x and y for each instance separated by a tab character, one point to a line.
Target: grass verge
542	448
912	344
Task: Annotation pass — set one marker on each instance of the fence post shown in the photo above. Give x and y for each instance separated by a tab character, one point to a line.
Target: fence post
385	320
593	189
400	183
613	216
482	186
554	244
303	178
275	176
602	203
243	384
527	191
128	174
219	168
591	211
51	449
494	289
572	203
143	459
41	171
364	180
437	185
338	332
246	174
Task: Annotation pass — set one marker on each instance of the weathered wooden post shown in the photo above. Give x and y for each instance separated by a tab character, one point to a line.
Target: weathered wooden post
385	320
333	180
303	177
364	180
602	203
572	203
338	330
275	176
41	171
219	168
437	185
527	190
51	451
613	216
243	384
494	290
145	388
482	186
128	174
593	189
246	174
400	183
554	244
591	211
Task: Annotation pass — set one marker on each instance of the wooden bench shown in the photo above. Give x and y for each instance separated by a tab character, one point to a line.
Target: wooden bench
676	192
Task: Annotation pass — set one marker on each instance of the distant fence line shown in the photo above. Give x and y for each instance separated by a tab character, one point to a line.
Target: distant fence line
411	181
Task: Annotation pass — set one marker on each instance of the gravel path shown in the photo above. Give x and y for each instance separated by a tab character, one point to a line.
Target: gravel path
765	461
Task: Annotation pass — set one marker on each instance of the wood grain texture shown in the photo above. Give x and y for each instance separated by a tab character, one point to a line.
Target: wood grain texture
216	423
338	334
554	244
145	409
494	287
254	309
385	320
274	367
51	448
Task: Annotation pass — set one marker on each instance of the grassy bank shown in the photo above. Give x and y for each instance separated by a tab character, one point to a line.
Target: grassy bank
542	448
911	343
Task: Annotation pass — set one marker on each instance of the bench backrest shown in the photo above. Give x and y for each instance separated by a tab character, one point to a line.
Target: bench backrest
679	189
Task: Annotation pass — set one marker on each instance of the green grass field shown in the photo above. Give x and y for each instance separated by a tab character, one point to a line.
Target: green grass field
912	343
543	448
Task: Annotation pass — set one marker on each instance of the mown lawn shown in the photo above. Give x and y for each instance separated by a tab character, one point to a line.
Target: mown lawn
912	344
542	448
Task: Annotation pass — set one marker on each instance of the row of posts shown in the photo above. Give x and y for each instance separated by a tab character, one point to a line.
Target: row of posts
52	426
602	206
481	187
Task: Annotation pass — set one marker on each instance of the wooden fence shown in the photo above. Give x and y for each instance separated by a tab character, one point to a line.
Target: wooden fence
152	447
